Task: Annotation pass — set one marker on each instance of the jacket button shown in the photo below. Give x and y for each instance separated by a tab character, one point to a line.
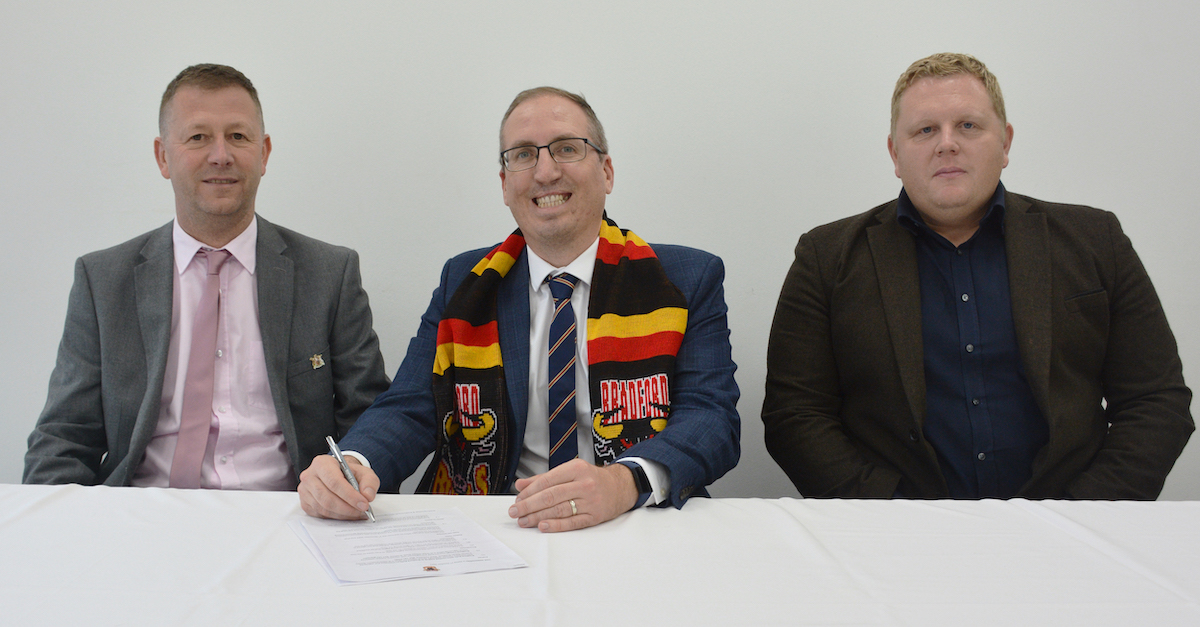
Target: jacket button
913	435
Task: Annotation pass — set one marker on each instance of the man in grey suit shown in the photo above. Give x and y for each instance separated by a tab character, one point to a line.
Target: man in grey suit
296	357
965	341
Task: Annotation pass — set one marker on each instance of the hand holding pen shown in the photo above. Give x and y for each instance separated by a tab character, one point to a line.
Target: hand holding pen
337	453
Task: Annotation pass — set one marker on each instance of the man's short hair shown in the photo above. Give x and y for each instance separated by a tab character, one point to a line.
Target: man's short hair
207	76
948	64
597	129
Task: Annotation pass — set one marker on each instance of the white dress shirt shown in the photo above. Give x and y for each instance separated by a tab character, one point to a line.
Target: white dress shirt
535	453
535	449
246	448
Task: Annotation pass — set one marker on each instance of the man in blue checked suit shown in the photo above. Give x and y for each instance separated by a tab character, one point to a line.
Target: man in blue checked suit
625	360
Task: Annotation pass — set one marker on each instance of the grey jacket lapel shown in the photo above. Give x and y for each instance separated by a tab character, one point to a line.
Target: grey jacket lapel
155	288
1027	245
895	258
276	283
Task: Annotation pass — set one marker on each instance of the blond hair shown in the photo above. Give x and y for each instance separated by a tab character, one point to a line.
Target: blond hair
948	64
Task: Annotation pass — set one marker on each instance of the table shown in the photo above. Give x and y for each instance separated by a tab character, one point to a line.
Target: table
142	556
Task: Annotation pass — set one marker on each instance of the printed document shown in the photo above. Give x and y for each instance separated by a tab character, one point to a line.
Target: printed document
426	543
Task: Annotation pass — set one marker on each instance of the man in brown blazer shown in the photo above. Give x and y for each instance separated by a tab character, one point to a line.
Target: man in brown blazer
964	341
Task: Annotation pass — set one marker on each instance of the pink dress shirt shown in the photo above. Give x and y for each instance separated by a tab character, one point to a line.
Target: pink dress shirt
246	448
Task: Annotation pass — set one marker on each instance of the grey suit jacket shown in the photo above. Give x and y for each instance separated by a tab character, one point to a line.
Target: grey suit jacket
103	403
845	402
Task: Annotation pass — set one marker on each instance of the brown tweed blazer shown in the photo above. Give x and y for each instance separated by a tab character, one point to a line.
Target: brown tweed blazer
845	389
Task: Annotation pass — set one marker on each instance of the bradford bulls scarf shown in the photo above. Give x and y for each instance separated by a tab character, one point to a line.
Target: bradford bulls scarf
636	321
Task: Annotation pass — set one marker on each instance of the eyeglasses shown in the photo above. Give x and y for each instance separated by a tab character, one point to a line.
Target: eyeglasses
567	150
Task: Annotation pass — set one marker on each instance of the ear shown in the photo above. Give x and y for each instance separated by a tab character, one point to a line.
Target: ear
266	153
503	185
1008	135
892	153
160	157
608	174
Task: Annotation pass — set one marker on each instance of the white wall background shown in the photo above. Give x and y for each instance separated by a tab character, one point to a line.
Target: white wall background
734	128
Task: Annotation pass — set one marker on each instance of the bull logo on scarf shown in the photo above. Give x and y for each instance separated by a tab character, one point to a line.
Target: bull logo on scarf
631	410
468	429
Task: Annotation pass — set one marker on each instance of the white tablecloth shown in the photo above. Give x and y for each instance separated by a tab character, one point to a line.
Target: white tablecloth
140	556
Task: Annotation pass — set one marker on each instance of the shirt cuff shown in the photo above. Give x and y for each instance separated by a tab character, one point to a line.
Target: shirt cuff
659	476
363	460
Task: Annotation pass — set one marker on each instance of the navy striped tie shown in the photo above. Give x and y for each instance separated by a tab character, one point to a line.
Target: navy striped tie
563	446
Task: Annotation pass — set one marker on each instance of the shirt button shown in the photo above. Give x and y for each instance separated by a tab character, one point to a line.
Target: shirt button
224	459
975	402
970	348
959	251
982	456
965	298
222	409
220	353
912	435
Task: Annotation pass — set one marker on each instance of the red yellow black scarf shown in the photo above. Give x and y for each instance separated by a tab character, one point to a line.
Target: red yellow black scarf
636	321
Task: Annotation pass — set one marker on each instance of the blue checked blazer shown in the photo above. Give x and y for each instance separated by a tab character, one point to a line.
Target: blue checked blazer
702	439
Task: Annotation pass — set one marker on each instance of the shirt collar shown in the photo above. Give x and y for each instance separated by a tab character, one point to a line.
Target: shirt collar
243	247
909	218
581	268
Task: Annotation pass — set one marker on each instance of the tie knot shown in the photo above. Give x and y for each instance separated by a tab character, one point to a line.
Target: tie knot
562	285
216	259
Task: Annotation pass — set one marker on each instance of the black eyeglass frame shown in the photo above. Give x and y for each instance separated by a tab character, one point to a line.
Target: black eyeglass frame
538	153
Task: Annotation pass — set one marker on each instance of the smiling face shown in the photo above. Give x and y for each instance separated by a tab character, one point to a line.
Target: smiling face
557	205
949	147
214	151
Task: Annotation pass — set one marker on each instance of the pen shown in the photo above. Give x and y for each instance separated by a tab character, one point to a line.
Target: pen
337	452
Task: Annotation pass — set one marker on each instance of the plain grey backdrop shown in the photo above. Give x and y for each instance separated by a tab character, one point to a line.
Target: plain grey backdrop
734	127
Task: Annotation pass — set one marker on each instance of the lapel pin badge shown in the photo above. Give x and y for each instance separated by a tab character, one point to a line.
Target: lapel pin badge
317	361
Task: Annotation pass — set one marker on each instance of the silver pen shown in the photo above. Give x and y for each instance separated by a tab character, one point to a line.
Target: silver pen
337	453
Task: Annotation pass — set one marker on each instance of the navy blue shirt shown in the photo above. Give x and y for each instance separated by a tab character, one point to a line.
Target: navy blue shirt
980	414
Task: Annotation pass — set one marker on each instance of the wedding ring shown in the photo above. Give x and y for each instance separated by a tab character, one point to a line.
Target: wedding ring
573	510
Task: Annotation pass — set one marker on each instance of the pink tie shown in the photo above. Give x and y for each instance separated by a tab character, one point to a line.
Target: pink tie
196	419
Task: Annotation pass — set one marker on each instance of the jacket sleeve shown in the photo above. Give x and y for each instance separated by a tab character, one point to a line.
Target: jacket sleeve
358	375
1147	405
68	442
702	440
801	410
399	430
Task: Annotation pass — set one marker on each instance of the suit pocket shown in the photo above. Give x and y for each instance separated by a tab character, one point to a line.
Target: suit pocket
309	363
310	379
1088	300
1081	336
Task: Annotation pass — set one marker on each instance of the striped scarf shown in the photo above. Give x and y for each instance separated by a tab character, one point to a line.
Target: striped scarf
636	321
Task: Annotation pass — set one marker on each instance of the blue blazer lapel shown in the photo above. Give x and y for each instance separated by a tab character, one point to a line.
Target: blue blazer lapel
512	320
154	282
895	258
